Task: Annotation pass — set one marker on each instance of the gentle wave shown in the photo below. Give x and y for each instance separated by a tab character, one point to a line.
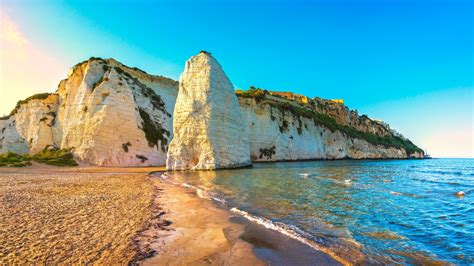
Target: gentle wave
403	197
204	194
285	229
441	172
290	231
344	182
443	182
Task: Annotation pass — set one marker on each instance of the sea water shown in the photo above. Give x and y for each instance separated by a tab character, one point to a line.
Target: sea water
394	211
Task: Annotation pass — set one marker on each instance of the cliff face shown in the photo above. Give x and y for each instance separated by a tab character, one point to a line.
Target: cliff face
209	132
344	116
277	135
287	129
109	114
30	128
114	115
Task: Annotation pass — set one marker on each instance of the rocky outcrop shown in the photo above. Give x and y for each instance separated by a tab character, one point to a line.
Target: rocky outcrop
277	135
29	128
281	129
113	115
107	113
344	116
209	132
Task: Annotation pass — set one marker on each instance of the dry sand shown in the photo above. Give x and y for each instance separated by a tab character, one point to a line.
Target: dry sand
71	215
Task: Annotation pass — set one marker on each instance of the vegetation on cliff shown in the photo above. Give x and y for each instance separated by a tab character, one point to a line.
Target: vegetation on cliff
148	92
125	146
50	156
110	62
299	111
255	93
267	152
14	160
54	156
155	134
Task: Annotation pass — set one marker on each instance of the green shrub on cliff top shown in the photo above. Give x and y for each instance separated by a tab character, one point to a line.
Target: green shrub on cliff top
331	124
328	122
256	93
39	96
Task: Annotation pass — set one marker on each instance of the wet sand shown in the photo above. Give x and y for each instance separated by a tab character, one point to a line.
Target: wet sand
122	215
202	232
199	232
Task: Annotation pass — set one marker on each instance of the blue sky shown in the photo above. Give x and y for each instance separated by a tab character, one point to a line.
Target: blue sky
409	63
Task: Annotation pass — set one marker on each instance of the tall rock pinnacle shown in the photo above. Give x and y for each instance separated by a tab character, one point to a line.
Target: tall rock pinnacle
209	132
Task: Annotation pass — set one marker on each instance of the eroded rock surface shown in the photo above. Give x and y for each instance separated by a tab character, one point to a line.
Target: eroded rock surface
107	113
115	115
209	132
285	133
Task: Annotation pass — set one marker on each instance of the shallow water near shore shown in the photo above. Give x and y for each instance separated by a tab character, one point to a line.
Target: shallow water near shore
394	211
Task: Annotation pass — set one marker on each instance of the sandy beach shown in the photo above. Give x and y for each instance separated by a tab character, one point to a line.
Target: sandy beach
123	215
71	215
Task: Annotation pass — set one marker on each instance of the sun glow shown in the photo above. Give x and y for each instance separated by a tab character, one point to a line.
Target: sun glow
26	67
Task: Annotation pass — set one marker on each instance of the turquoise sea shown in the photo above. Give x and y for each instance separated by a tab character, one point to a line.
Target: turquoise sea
393	211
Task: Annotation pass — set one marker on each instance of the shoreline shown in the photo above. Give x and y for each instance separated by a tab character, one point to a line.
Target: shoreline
174	224
194	231
256	243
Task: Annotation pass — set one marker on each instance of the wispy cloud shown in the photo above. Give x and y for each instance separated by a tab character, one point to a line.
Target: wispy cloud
10	34
25	68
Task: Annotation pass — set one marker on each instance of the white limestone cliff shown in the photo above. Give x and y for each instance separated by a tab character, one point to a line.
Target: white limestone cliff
113	115
209	132
107	113
29	130
280	135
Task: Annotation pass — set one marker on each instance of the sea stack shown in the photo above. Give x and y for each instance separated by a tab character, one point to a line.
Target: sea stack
209	132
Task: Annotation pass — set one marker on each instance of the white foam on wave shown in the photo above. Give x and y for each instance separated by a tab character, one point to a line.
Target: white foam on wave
203	193
219	200
189	186
287	230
